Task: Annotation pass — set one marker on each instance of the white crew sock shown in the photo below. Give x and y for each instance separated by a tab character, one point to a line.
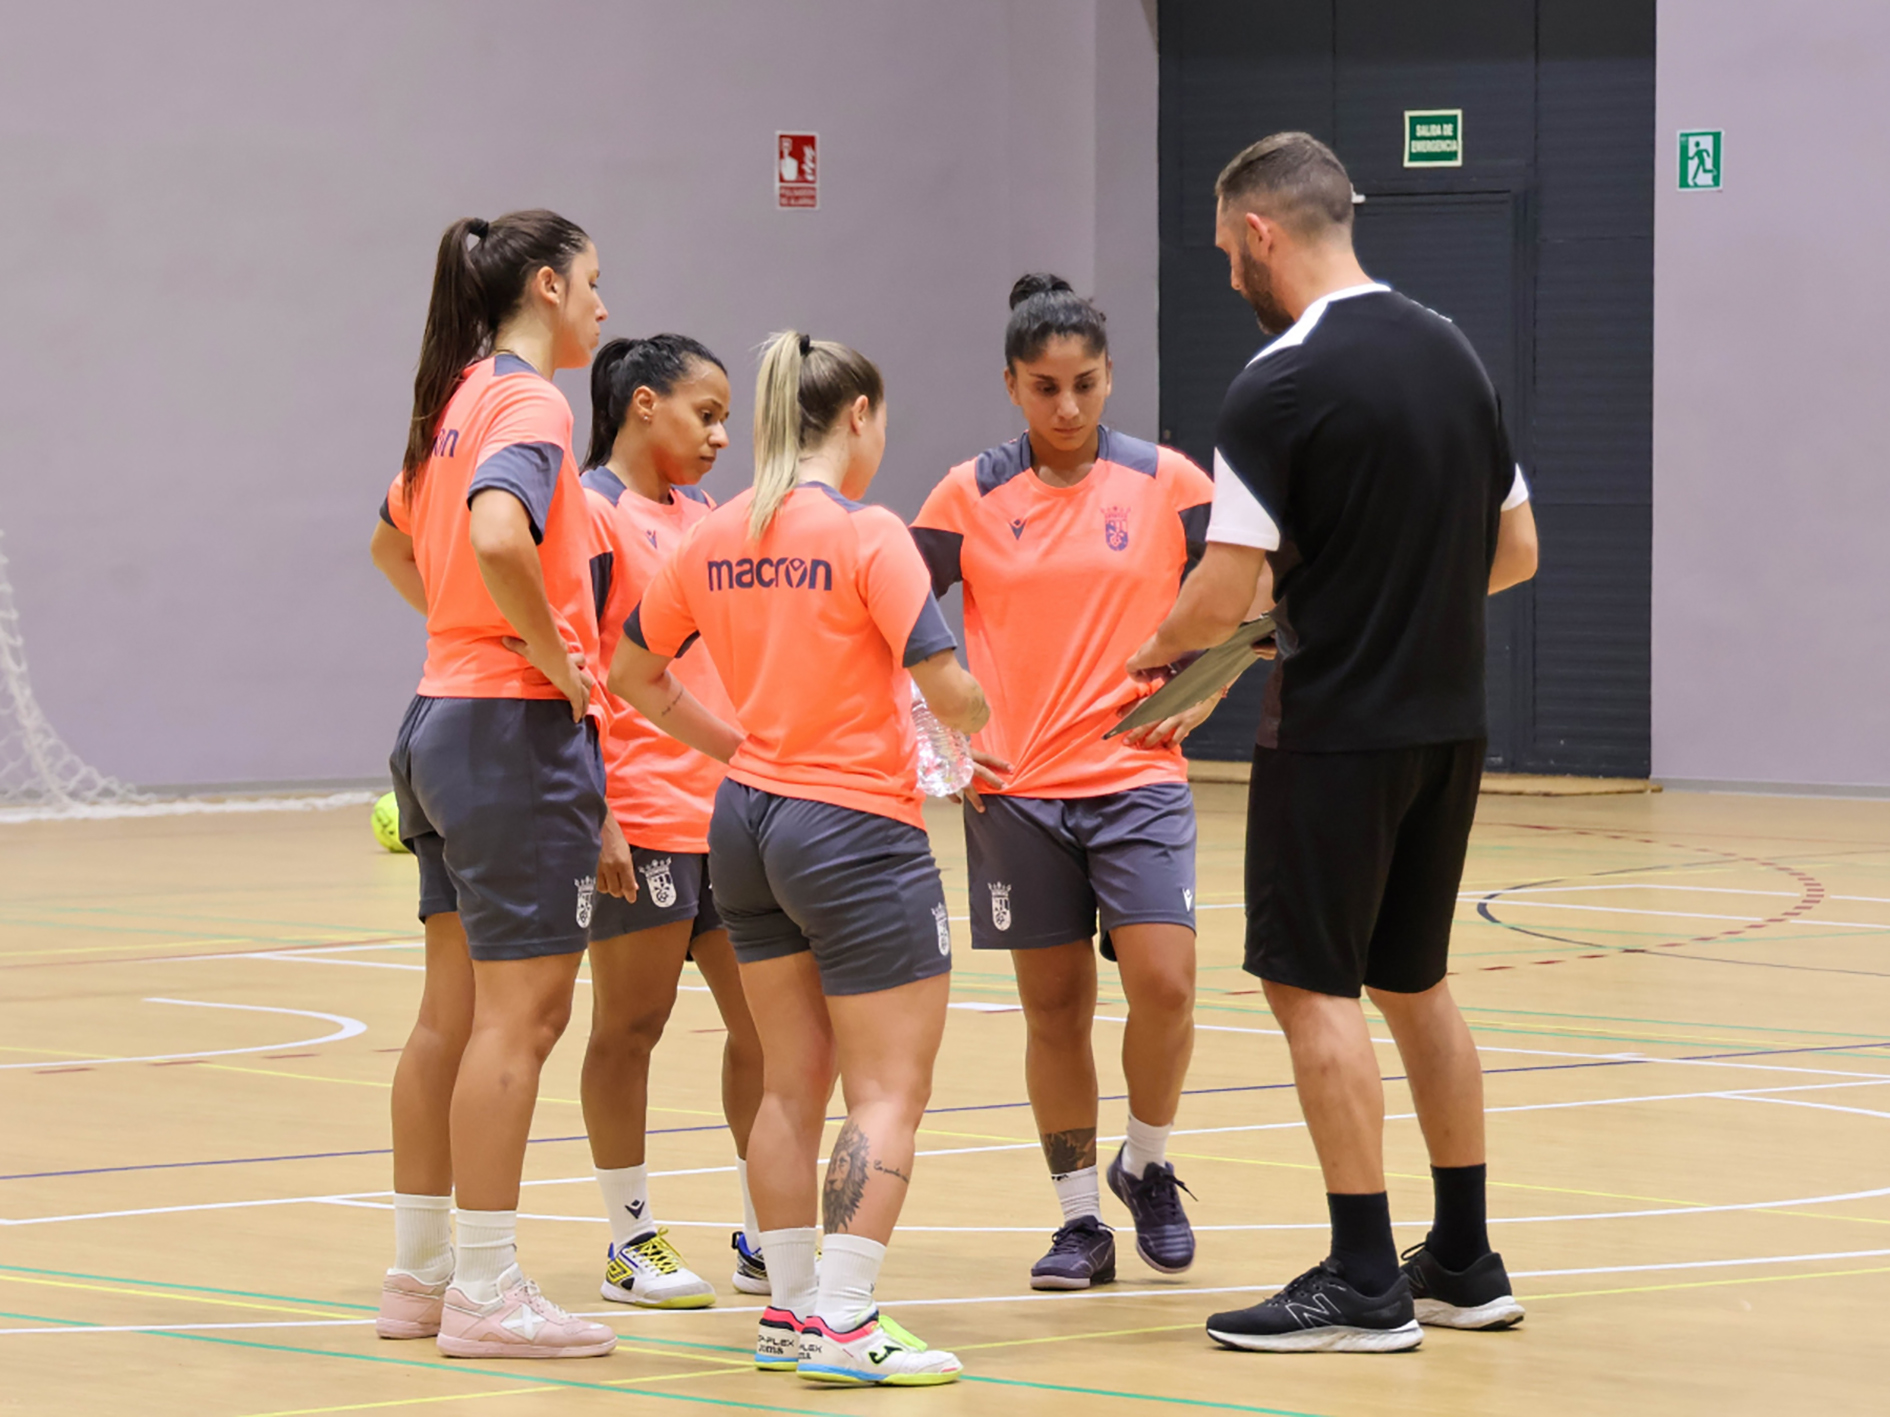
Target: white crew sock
751	1227
849	1268
790	1269
1079	1194
627	1202
488	1247
423	1237
1145	1146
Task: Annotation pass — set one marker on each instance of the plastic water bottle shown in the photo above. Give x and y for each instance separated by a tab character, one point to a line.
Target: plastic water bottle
944	753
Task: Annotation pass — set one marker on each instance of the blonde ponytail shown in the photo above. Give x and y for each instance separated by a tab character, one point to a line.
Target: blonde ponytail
803	386
777	429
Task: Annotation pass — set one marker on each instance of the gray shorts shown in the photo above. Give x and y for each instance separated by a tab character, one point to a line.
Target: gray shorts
860	890
502	803
671	886
1043	869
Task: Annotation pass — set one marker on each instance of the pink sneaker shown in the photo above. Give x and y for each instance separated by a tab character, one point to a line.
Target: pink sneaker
410	1308
520	1323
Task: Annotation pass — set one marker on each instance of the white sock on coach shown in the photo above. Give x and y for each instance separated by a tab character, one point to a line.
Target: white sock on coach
1145	1146
1079	1193
627	1202
790	1269
751	1227
488	1247
849	1268
423	1237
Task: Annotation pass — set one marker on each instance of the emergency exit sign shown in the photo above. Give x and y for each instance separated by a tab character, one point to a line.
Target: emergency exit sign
1699	159
1433	137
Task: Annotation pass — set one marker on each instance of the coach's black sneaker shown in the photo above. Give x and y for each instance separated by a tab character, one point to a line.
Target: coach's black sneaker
1320	1313
1477	1297
1163	1237
1082	1253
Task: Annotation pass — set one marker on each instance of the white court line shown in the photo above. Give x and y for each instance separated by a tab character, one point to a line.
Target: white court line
1036	1298
1509	900
349	1027
1821	1106
1506	892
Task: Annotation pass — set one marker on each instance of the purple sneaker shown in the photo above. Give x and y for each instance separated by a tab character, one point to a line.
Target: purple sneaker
1082	1253
1163	1237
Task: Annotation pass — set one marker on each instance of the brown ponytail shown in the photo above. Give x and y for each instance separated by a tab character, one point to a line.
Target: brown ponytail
479	277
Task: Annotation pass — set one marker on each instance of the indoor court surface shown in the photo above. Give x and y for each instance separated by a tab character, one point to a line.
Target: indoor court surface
1684	1002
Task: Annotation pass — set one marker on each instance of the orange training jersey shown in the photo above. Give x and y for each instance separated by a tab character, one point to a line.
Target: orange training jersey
1062	585
811	631
505	427
661	791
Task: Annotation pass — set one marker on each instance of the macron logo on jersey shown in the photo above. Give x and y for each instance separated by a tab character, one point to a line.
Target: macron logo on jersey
1017	530
768	572
446	443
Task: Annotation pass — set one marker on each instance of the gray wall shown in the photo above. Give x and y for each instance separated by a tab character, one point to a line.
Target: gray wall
1771	421
220	224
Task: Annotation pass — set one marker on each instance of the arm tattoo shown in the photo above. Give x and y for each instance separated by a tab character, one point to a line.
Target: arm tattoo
1074	1150
674	699
846	1179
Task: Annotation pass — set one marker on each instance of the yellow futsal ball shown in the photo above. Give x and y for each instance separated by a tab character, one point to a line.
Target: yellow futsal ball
387	823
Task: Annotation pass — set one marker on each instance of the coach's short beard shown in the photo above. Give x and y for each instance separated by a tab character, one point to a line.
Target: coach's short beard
1256	283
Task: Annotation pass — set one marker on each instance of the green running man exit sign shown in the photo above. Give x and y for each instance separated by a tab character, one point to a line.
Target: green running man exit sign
1433	137
1699	159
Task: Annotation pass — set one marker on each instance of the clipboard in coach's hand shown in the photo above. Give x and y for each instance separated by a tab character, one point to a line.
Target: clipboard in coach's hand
1209	673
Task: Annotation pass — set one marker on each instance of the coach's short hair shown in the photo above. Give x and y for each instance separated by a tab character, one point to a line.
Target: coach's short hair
1292	177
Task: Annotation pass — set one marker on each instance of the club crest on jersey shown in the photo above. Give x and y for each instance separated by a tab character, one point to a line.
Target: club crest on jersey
1001	905
661	883
1116	528
943	922
586	900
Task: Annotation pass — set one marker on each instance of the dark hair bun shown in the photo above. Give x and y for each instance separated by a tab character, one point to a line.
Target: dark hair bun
1036	283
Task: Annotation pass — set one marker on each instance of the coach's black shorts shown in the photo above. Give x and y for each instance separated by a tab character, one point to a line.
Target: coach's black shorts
1353	864
1042	869
671	886
860	890
502	802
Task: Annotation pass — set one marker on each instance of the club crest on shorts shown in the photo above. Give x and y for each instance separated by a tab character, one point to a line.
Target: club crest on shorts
1001	905
662	885
1116	528
586	900
943	921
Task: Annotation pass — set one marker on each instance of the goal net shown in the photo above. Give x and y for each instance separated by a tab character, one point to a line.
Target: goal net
37	769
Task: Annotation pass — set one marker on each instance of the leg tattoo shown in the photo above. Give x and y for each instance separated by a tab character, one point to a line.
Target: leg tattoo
1074	1150
846	1179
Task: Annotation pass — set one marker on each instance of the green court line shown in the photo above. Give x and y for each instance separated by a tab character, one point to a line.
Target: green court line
191	1288
623	1390
1140	1396
1667	1022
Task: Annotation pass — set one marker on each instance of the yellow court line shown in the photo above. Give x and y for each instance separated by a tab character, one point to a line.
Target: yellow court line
300	1077
182	1298
399	1402
1708	1284
177	945
975	1136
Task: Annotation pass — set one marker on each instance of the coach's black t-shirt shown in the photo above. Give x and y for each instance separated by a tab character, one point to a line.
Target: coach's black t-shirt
1371	436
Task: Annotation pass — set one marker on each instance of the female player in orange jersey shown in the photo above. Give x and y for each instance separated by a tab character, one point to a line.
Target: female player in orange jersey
813	607
1068	540
657	412
496	768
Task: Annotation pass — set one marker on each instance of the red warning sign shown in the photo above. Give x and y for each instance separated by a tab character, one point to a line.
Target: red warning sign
796	170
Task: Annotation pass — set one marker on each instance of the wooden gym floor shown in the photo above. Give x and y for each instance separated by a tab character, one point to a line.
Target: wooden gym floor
1685	1002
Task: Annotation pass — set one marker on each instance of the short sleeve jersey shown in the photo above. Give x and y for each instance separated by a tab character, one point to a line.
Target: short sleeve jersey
509	428
1371	438
812	632
661	791
1062	585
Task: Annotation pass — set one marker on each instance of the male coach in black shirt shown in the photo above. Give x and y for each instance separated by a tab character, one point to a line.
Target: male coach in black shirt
1361	458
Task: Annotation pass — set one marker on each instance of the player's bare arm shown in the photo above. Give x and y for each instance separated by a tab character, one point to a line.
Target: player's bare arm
1515	549
392	553
951	693
644	679
501	535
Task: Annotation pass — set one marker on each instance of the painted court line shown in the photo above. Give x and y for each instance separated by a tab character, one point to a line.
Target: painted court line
348	1028
1032	1298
